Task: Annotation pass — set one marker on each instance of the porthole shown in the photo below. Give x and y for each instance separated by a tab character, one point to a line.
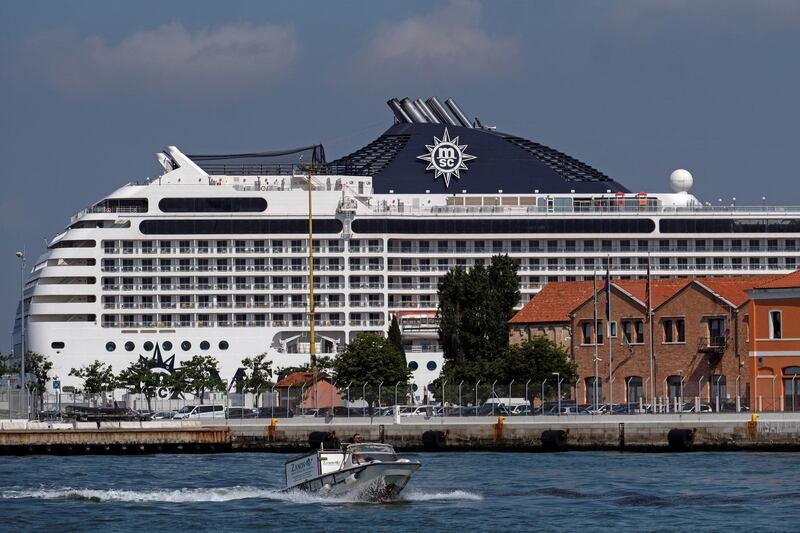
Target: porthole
413	365
205	345
186	346
223	345
110	346
148	346
431	365
129	346
166	346
57	345
414	387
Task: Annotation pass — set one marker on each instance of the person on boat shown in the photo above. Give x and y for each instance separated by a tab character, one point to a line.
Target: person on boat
355	439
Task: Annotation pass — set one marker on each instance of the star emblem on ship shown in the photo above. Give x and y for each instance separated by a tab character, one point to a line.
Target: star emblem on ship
447	157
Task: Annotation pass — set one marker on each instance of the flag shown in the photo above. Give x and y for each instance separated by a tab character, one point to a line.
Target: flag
648	303
607	289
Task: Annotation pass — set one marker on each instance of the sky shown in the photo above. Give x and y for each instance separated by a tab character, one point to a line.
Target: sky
91	90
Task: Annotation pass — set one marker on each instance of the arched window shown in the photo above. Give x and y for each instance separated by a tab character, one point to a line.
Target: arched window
591	383
635	388
791	388
674	388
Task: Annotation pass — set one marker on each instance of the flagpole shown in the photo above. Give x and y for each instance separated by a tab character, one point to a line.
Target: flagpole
596	354
650	320
608	331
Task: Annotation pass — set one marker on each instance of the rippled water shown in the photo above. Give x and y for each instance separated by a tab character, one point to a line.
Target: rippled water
452	491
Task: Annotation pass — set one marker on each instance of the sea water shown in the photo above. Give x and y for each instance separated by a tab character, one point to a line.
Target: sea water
573	491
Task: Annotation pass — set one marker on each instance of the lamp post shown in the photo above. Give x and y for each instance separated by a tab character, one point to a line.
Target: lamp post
348	399
508	407
494	395
380	386
476	397
558	379
527	398
23	381
395	393
460	405
364	395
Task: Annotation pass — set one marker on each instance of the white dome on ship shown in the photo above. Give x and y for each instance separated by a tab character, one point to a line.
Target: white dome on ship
681	180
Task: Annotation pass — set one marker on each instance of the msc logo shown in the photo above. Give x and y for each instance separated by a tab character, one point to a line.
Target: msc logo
446	157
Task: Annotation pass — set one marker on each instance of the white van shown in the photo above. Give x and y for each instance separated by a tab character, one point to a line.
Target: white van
200	411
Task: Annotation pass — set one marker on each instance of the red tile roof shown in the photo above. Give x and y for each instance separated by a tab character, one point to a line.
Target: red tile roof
789	281
557	300
554	302
734	288
297	379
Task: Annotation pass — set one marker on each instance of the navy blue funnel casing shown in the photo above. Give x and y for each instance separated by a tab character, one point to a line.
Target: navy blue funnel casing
502	162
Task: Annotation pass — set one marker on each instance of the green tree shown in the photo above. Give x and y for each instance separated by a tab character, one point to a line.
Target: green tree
98	377
5	367
197	375
474	308
139	378
535	360
394	335
370	359
258	375
40	366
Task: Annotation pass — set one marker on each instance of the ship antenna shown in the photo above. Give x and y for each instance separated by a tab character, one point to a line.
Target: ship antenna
311	167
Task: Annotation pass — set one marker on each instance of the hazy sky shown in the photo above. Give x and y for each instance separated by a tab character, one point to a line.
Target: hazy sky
90	90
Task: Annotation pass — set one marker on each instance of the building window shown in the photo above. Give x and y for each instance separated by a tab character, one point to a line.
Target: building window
775	325
639	332
667	331
719	387
635	389
612	329
593	383
716	332
680	330
675	387
627	331
586	327
599	339
791	388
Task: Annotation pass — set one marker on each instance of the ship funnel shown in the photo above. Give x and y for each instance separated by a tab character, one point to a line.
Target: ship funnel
423	107
413	112
460	116
440	112
397	109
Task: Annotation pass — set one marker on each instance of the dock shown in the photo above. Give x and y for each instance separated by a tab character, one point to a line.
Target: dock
637	433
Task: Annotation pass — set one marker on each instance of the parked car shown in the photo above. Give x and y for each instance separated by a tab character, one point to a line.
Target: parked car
162	415
241	412
690	407
200	411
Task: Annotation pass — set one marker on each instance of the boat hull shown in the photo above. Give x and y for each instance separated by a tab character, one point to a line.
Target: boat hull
369	482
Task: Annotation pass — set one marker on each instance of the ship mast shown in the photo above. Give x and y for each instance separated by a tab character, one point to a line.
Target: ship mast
313	344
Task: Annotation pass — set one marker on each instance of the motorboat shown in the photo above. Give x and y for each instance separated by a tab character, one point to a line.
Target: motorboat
369	471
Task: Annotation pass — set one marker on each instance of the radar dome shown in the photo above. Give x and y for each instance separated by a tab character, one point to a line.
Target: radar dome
681	180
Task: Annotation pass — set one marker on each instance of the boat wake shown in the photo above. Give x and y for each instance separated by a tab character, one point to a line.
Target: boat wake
219	494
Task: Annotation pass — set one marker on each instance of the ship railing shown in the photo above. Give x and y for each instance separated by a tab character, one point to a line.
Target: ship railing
383	208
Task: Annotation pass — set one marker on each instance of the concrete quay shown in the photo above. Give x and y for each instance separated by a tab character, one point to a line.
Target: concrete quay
640	433
651	433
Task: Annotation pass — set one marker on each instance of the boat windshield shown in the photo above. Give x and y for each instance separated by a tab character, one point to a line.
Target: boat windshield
365	453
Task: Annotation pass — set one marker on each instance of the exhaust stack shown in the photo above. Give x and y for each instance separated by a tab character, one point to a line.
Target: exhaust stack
397	109
460	116
440	112
413	112
426	111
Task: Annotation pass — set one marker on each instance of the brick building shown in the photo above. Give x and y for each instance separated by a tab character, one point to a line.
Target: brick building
775	344
549	315
699	343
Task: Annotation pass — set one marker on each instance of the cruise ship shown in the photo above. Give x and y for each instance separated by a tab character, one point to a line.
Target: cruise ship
211	257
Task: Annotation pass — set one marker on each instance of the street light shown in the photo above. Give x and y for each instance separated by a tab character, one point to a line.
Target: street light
23	381
558	378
